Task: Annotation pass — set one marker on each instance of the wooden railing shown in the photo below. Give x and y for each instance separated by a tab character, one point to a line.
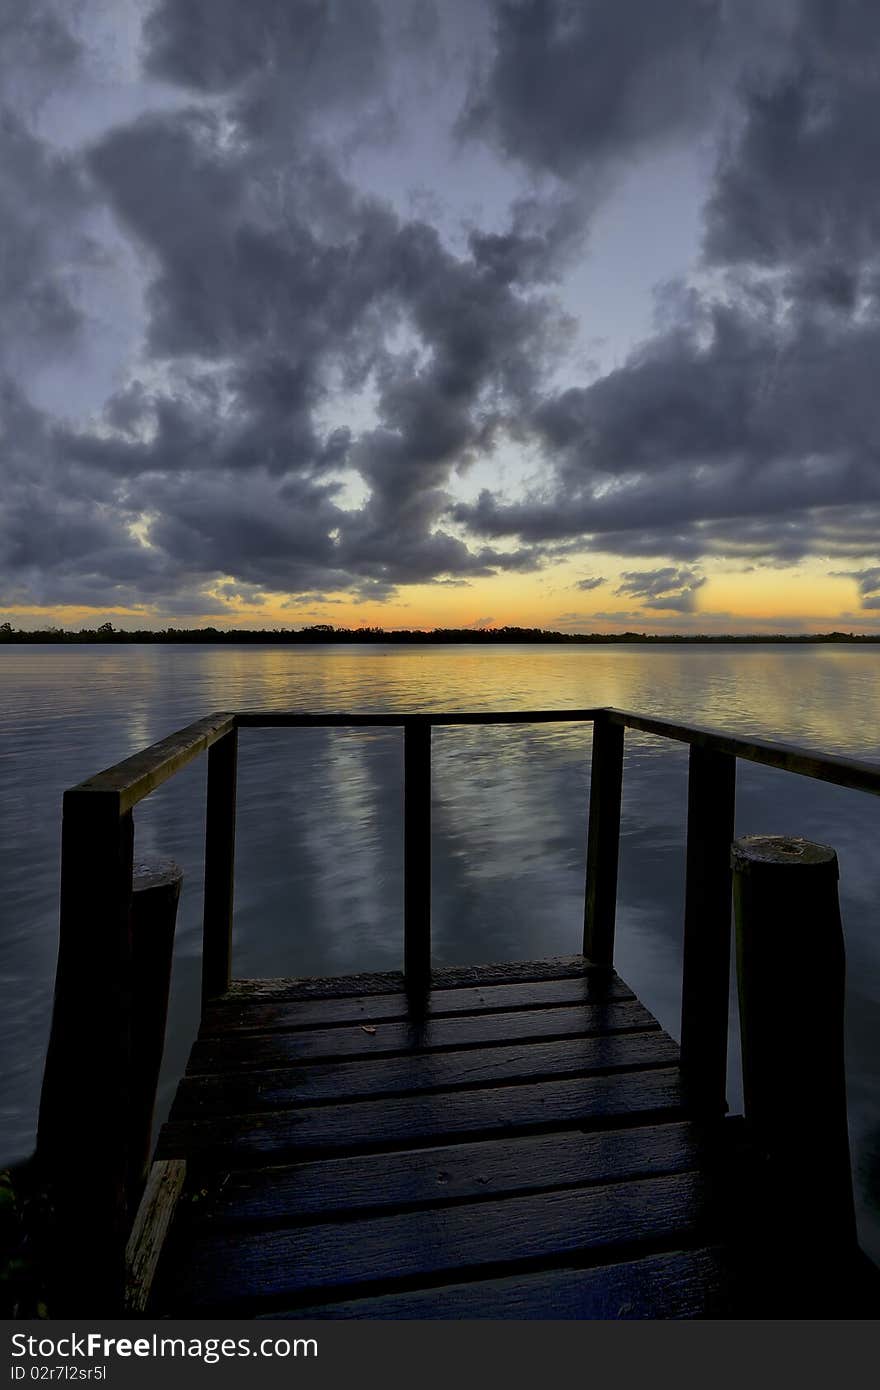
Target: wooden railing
83	1137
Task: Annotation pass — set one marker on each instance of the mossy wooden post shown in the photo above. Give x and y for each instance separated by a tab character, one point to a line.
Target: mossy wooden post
155	895
791	979
603	839
219	866
81	1144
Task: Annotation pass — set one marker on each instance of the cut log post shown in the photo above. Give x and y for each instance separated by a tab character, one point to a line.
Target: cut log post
789	946
155	895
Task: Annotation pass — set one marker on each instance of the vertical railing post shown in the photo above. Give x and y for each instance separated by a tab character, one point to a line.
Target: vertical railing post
417	854
706	965
603	839
791	980
82	1137
219	866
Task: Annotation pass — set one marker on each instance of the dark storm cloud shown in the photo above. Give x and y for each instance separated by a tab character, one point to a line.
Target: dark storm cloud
868	582
665	588
292	56
261	289
586	84
43	197
53	539
801	181
749	424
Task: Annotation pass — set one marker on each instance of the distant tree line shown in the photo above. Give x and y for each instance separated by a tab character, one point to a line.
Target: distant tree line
325	632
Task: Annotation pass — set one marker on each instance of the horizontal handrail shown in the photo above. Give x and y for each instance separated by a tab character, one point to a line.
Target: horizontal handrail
135	777
826	767
334	719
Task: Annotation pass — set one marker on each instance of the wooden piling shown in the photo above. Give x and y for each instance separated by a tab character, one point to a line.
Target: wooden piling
789	946
155	894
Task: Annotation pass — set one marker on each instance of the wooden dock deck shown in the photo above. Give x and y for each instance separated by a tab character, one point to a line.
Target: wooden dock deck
522	1147
508	1141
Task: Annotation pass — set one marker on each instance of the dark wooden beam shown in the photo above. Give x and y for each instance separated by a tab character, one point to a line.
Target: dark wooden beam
826	767
417	856
603	840
706	967
333	719
219	867
83	1135
132	779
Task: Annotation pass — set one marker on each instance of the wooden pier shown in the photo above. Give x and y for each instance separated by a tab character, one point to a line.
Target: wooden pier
508	1141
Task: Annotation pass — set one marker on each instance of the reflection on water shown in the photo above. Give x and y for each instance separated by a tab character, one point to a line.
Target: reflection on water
319	832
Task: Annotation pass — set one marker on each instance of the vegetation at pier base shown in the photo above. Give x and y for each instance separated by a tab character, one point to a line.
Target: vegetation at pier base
325	632
24	1222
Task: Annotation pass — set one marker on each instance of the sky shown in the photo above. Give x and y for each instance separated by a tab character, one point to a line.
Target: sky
440	313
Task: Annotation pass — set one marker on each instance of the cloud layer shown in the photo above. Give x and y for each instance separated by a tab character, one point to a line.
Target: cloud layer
319	370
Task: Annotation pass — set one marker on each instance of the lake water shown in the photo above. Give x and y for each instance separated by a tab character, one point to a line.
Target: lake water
319	830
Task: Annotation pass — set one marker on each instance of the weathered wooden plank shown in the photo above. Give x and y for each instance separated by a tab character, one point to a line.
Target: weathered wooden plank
826	767
408	1121
150	1228
254	1092
329	719
143	772
236	1268
256	1014
267	1050
456	1172
686	1284
288	988
154	899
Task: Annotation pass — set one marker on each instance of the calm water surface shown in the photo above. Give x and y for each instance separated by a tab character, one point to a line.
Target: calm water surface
319	832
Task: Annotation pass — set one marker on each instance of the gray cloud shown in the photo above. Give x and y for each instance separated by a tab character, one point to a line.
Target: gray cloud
744	428
288	307
273	281
571	85
747	425
666	588
284	60
800	180
44	200
589	583
868	582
